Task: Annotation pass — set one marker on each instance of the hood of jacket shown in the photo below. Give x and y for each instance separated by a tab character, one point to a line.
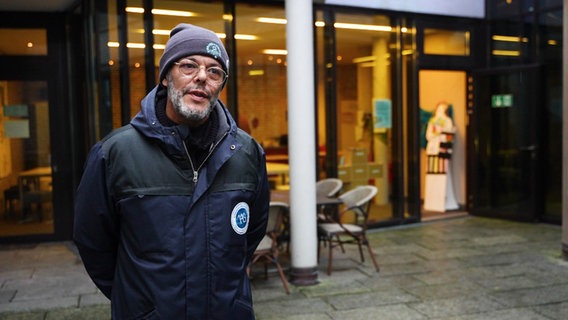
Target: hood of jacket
148	124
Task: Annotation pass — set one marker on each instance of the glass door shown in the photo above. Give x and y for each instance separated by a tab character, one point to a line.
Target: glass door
356	113
25	159
506	147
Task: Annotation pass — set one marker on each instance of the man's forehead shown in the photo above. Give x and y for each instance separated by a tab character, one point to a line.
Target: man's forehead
201	59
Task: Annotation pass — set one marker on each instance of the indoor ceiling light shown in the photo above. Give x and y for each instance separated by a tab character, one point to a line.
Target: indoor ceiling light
357	26
508	53
245	37
275	51
238	36
497	37
271	20
162	12
164	32
134	45
256	72
364	59
160	32
339	25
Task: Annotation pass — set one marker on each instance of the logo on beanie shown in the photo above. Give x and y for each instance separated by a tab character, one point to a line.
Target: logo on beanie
213	49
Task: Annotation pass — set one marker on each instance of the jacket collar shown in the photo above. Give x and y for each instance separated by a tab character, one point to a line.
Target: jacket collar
146	122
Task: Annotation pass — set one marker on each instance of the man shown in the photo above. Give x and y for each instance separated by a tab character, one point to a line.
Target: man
171	207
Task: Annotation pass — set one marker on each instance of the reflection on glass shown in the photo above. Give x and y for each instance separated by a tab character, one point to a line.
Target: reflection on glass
446	42
23	42
25	152
261	67
364	106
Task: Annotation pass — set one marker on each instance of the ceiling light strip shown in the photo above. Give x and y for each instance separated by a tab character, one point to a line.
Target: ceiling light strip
508	53
162	12
338	25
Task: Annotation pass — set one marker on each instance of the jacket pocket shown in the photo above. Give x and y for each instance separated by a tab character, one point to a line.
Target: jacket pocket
243	309
152	314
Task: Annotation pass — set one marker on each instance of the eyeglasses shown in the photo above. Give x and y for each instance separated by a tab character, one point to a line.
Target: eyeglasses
215	75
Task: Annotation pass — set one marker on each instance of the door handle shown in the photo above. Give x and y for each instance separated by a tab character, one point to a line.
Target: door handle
528	148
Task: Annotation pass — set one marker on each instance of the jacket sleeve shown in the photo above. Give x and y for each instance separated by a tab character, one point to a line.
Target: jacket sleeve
95	230
259	210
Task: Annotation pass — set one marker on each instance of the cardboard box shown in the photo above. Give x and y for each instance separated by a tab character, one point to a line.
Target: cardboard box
345	173
357	183
359	156
375	170
360	172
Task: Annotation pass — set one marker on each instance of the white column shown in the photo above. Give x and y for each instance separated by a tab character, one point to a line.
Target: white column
565	137
301	141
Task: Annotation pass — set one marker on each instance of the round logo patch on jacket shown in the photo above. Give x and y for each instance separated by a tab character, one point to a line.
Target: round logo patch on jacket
240	218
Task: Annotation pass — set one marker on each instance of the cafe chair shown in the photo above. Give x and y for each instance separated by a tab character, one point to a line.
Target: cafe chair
350	225
11	198
37	197
268	249
328	187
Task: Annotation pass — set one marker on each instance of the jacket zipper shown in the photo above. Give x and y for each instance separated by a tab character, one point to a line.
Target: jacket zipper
196	171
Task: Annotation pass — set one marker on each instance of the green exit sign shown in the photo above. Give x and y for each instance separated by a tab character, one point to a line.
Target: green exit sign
502	100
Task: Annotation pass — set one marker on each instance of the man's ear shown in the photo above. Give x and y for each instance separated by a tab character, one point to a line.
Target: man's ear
165	82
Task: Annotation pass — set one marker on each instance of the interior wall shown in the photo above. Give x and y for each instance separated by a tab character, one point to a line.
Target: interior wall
448	86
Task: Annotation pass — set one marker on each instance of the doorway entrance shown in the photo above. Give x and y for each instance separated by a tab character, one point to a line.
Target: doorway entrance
25	161
443	142
507	149
38	129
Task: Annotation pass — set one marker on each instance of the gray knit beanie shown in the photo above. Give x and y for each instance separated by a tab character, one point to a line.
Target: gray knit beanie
186	40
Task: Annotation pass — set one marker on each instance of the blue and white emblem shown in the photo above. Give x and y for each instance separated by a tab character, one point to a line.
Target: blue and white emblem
240	218
213	49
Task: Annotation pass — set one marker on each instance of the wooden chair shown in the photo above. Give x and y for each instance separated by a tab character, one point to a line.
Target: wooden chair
268	249
336	233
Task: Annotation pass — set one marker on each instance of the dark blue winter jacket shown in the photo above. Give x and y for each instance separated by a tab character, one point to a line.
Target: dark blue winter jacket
156	243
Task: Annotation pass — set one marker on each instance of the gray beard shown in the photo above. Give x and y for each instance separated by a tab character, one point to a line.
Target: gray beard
183	109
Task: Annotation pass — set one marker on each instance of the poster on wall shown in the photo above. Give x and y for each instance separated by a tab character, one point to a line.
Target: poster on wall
5	150
457	8
382	115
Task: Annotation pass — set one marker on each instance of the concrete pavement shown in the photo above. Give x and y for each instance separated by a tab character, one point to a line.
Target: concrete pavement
466	268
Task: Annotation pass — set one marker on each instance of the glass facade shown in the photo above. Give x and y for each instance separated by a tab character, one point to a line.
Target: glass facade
379	74
526	43
261	77
364	104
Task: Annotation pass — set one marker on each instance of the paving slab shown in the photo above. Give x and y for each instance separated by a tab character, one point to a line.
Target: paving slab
466	268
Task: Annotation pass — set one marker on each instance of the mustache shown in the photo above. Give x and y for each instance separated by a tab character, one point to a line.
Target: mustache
203	88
